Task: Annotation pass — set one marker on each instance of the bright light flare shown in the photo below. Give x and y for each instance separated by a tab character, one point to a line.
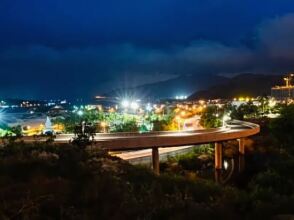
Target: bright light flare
226	165
125	103
134	105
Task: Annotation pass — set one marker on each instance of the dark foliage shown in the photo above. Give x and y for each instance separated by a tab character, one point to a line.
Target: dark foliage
44	181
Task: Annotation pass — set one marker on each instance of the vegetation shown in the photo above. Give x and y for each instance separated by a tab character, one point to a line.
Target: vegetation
84	134
44	181
129	125
244	111
282	128
47	182
210	117
117	122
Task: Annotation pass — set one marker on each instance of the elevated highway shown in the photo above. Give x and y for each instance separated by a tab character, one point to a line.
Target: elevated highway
154	140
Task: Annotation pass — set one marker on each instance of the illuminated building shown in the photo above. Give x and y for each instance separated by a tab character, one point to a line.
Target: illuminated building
284	92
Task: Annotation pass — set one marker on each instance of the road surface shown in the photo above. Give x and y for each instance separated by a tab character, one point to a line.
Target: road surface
138	141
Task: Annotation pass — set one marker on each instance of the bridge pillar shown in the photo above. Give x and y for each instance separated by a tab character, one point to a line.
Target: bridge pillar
218	157
155	160
241	163
218	175
241	146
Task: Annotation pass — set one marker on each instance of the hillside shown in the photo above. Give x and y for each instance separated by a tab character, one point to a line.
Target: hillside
242	85
182	85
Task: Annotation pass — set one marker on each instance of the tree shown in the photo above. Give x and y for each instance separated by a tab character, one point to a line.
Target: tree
245	110
264	104
283	128
84	134
163	123
210	117
126	126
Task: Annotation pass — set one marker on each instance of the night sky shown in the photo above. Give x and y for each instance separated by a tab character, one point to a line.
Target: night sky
71	48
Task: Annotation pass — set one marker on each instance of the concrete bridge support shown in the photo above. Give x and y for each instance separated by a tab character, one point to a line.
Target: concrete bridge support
218	155
241	146
241	154
155	160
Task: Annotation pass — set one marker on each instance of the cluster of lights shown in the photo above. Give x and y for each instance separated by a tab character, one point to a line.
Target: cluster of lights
148	107
182	97
244	99
26	104
130	104
272	103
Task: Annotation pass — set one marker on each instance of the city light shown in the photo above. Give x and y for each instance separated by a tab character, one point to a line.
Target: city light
178	119
272	103
103	125
226	165
182	97
134	105
226	118
201	102
125	103
148	107
183	113
80	112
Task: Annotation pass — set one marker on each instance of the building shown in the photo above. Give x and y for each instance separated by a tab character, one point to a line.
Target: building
284	92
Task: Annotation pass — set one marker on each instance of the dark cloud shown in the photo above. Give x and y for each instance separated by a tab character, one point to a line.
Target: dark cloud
41	70
277	37
122	65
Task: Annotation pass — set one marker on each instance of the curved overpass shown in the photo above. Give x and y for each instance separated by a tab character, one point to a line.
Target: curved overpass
131	141
135	141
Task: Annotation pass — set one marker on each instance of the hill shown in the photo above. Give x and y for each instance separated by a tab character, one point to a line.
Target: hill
182	85
251	85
